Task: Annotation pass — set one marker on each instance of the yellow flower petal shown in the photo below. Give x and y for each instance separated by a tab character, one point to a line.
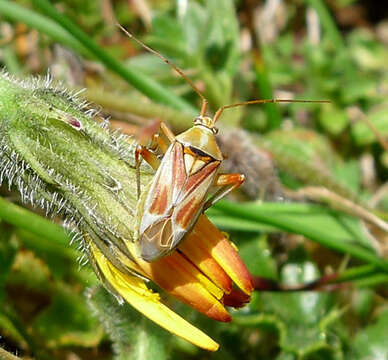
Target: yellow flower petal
136	293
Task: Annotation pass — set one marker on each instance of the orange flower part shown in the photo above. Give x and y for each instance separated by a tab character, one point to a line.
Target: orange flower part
223	252
205	272
201	272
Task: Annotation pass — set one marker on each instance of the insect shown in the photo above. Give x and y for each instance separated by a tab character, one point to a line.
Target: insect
187	179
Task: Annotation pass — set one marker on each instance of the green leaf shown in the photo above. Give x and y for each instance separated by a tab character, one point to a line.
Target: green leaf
362	302
32	222
333	119
350	173
222	35
8	248
68	321
257	256
378	117
192	23
61	259
133	335
302	320
371	342
306	155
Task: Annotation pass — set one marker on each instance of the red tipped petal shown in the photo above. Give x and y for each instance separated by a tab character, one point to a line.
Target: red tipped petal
224	253
197	251
236	299
182	279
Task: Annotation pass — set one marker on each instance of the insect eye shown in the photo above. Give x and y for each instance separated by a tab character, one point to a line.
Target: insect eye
198	120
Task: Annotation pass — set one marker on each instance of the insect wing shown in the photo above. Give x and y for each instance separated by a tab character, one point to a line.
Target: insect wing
191	200
173	203
156	230
167	183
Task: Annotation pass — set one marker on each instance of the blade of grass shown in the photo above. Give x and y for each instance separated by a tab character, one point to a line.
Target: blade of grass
365	275
372	281
11	61
134	104
147	86
27	220
297	224
15	12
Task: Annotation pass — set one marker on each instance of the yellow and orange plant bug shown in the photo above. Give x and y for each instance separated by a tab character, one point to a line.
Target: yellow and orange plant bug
187	179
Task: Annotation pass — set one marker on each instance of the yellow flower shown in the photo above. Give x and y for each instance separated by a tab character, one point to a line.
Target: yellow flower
200	273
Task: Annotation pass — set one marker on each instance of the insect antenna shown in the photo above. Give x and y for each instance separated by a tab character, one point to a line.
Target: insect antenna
263	101
176	68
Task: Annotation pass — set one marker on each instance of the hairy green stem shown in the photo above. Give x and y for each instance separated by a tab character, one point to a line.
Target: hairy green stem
61	159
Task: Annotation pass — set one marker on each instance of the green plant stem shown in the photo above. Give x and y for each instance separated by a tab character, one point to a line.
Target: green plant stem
328	23
261	214
43	244
27	220
141	82
32	19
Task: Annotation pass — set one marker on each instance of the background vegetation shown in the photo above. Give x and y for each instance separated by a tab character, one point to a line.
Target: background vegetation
311	217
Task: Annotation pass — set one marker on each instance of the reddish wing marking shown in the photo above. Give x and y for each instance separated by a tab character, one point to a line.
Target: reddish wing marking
189	205
166	185
173	203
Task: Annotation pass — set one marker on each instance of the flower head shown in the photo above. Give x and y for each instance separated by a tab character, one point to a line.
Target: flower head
200	273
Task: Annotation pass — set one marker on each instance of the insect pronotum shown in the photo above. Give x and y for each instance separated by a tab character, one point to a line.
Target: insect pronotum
187	179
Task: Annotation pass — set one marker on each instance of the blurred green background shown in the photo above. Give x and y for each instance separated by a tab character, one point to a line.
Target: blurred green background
316	173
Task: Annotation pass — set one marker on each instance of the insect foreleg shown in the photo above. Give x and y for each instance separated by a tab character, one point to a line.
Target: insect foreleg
148	156
227	182
162	144
142	152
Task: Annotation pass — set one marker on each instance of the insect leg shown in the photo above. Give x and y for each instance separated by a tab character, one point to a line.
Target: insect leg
227	182
147	155
161	143
142	152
